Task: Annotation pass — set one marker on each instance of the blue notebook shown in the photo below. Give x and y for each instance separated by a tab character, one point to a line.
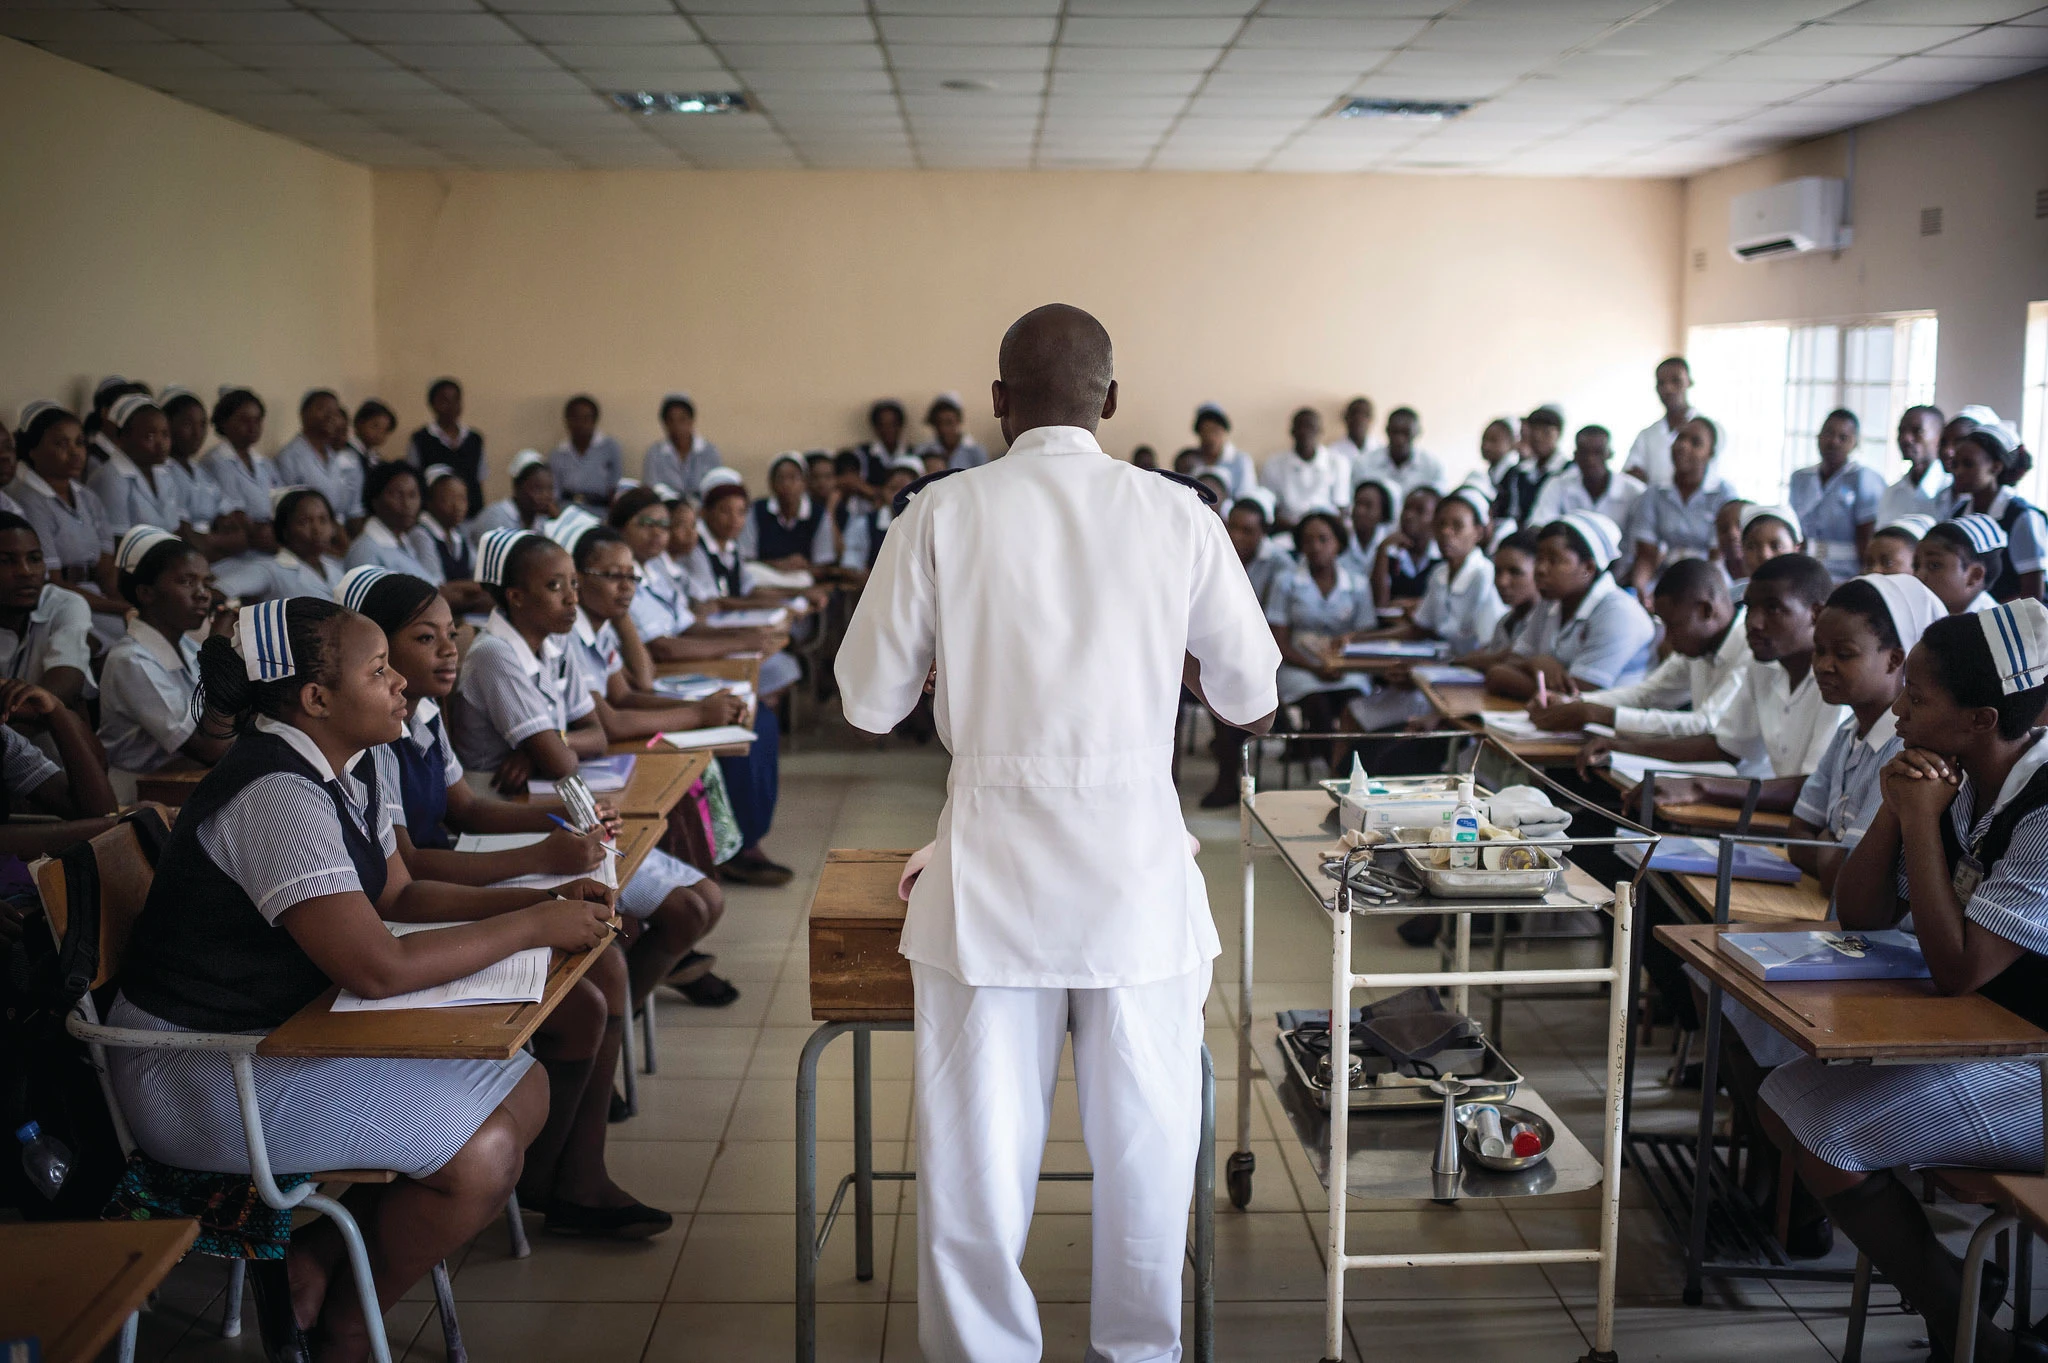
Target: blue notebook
1775	956
1693	857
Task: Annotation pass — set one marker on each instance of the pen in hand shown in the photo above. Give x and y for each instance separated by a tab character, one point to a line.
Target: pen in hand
561	822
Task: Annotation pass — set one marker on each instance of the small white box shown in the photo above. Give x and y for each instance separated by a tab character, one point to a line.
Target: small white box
1374	813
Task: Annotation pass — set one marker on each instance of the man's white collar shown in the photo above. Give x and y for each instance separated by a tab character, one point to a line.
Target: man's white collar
1057	440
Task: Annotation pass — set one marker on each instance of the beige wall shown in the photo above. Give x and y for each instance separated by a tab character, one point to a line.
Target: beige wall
1980	158
150	238
784	302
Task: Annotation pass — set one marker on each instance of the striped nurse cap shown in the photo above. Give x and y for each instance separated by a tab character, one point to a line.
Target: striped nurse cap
1916	524
124	409
1601	535
136	544
2018	635
264	641
36	409
569	527
356	584
491	552
1983	533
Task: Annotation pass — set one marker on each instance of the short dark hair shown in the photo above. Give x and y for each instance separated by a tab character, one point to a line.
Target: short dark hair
1408	412
724	492
1857	597
1953	538
1805	576
313	395
231	402
1843	414
592	540
629	504
1964	668
875	409
1329	518
1600	431
438	384
383	475
581	400
395	600
371	407
1545	416
675	400
177	401
281	513
1691	579
537	466
1522	542
1678	360
846	461
1253	505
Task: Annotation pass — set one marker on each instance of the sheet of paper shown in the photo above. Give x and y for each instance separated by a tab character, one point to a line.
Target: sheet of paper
718	736
606	874
603	776
1629	767
497	842
1392	648
520	978
1444	674
696	687
1517	725
759	619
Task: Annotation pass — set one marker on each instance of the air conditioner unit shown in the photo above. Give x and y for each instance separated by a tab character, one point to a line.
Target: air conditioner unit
1784	220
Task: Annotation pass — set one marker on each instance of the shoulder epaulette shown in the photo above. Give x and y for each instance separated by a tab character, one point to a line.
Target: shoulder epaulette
1202	490
903	497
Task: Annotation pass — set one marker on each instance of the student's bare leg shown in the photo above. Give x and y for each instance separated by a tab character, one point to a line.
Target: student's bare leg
412	1224
580	1175
567	1046
681	921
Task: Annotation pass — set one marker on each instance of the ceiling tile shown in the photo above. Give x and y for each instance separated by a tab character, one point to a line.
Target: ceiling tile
196	84
468	57
928	105
1235	84
1666	32
1963	70
1772	64
556	82
1440	87
1156	9
658	78
1536	35
1951	11
696	7
413	27
945	58
1732	92
955	31
465	6
138	56
1148	33
1288	60
2007	40
1130	83
997	82
1351	35
301	56
802	56
586	6
265	26
1600	11
370	99
782	84
58	26
1416	61
570	105
1293	108
604	28
1883	40
1116	106
786	28
146	5
634	54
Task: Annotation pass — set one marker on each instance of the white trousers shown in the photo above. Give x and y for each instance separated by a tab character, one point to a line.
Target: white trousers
986	1063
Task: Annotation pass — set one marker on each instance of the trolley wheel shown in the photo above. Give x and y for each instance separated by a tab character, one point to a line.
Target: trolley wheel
1237	1174
1600	1356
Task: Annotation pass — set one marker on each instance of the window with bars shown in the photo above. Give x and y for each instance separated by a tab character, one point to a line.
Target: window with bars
1770	385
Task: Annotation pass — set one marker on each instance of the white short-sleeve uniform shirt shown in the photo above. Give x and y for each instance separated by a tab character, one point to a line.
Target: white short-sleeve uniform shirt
146	689
133	497
1462	608
413	552
337	474
507	693
1774	728
56	636
1057	699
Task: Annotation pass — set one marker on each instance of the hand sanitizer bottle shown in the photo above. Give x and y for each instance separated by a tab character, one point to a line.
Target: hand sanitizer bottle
1465	830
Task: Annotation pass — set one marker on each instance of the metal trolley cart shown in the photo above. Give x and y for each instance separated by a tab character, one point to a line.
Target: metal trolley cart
1395	1154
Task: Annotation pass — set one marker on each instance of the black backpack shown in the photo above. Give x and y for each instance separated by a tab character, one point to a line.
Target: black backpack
46	1075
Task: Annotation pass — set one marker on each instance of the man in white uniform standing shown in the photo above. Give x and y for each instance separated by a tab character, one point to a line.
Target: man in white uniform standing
1063	598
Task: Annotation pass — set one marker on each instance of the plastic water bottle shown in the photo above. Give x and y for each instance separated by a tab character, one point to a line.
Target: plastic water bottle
1465	829
44	1158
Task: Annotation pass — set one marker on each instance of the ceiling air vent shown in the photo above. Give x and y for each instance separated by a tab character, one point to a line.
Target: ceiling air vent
1416	110
1930	222
680	101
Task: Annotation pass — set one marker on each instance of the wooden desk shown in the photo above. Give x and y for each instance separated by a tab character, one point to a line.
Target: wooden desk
1758	901
1864	1019
72	1284
856	925
171	784
636	840
1709	819
637	747
1462	706
658	784
485	1031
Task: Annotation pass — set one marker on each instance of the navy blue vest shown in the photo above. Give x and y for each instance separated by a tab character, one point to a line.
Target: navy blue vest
201	955
423	784
773	541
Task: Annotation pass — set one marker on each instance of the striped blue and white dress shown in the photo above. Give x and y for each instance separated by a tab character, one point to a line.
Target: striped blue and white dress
280	841
1975	1115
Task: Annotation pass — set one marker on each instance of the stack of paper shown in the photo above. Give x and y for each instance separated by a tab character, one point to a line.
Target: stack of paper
1443	674
695	687
606	874
1516	725
1393	648
760	619
1629	767
718	736
602	775
521	977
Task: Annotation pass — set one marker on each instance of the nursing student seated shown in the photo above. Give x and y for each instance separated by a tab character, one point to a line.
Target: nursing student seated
273	886
429	802
1960	559
1783	713
147	713
1586	633
45	631
519	712
1960	841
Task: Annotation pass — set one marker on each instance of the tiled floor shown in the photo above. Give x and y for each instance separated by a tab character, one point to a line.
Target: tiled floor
714	1143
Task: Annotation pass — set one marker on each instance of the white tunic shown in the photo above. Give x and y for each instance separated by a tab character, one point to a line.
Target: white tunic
1654	705
1320	482
1774	728
1927	495
1567	493
1062	860
1649	458
1462	609
1423	469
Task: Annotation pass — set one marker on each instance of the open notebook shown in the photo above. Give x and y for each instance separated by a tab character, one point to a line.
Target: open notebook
521	977
606	874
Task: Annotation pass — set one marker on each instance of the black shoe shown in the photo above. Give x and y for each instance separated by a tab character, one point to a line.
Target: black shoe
1815	1239
618	1111
634	1221
1421	930
709	992
1219	798
755	871
691	968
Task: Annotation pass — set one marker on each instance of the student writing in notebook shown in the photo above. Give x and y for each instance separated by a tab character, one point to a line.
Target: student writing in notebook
1960	842
428	801
272	888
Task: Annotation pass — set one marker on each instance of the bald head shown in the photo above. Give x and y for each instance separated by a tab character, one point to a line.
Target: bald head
1056	370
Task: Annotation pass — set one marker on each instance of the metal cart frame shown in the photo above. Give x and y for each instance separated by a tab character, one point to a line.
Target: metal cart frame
1344	981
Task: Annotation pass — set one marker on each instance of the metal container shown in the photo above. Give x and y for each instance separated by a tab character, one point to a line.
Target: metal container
1495	1082
1509	1117
1479	883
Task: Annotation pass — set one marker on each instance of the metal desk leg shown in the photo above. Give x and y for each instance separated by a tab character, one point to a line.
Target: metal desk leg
1631	989
1205	1219
1973	1281
1859	1311
1242	1161
1703	1156
807	1189
1340	1129
1618	1031
863	1156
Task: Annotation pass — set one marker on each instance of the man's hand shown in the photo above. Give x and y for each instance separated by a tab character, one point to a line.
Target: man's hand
1563	715
1592	753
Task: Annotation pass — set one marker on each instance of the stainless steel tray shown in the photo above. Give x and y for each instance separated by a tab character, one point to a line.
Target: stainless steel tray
1495	1082
1479	883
